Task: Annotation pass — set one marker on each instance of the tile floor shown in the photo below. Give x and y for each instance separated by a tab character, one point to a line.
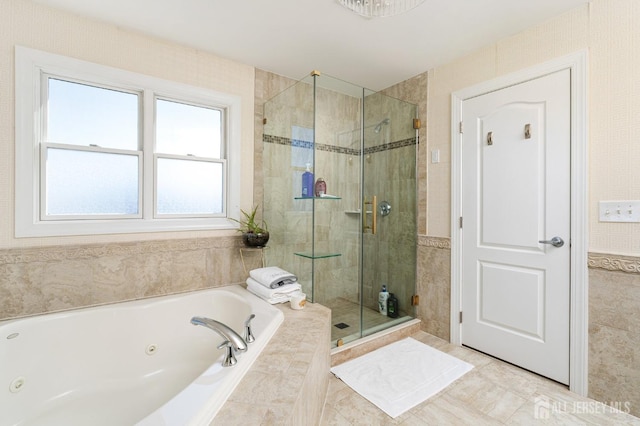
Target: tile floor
493	393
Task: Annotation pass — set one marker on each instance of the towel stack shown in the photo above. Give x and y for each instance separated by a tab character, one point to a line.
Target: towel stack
273	284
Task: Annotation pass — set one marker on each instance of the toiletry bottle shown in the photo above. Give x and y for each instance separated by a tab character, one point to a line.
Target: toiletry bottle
307	182
321	187
392	306
382	300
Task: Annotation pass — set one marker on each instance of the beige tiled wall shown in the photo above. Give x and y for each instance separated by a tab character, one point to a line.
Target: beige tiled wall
614	336
46	279
434	285
414	90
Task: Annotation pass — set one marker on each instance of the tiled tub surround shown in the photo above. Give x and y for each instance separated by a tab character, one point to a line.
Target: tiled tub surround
288	383
47	279
123	363
614	316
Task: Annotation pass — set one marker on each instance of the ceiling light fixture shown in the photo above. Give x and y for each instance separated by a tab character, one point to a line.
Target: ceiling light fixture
379	8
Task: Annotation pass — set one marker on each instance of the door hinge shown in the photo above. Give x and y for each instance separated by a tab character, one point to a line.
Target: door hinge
460	317
415	300
460	222
416	123
461	127
264	121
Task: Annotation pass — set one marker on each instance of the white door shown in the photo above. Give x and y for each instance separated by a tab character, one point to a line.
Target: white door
515	196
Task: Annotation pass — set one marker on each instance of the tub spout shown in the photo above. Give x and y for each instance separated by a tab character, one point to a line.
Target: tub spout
237	343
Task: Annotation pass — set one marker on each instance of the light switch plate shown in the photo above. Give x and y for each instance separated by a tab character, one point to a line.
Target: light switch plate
435	156
620	211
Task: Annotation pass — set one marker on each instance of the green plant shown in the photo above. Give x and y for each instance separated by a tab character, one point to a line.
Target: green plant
248	223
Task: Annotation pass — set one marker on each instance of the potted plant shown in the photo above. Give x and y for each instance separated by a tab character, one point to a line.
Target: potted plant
254	233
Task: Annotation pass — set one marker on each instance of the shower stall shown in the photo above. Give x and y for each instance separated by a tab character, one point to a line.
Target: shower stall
345	244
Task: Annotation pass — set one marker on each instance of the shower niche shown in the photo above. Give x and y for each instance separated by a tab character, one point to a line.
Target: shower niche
346	244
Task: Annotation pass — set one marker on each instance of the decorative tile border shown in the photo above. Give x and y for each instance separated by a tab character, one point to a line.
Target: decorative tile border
612	262
279	140
57	253
435	242
609	262
392	145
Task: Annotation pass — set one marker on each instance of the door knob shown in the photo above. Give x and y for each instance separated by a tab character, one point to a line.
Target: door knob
555	241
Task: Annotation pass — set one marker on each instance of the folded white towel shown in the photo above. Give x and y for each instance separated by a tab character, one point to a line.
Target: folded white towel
272	276
273	296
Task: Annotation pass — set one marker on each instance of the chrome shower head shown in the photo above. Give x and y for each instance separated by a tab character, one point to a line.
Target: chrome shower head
380	124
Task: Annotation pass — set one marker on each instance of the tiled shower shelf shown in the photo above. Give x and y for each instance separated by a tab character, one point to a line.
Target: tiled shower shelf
310	255
318	198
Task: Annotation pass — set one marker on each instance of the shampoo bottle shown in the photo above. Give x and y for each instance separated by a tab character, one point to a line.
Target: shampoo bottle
392	306
382	300
307	182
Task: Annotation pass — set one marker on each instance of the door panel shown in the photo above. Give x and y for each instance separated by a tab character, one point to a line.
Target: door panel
516	192
507	168
512	298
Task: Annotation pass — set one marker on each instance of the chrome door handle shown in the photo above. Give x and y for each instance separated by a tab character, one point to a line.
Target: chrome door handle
555	241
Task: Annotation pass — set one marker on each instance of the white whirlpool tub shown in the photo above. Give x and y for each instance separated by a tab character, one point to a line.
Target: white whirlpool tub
139	362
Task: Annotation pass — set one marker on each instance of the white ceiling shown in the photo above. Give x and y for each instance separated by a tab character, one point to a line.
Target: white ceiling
293	37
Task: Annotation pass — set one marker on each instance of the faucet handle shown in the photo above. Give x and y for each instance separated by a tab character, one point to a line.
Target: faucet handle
229	358
248	335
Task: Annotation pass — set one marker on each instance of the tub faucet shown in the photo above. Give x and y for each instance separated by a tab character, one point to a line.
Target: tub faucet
234	340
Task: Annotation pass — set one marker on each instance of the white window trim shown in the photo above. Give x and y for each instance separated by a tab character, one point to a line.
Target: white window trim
30	65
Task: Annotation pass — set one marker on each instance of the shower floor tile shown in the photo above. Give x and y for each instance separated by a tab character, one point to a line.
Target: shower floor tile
347	312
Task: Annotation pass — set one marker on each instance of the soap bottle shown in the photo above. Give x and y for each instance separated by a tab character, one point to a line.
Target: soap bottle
392	306
321	187
382	300
307	182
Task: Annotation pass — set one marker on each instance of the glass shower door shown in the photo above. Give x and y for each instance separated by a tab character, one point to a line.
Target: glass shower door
389	210
362	143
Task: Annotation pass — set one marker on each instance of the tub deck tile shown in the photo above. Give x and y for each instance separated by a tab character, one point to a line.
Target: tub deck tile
288	382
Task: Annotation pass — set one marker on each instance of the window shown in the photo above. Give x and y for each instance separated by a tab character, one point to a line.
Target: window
101	150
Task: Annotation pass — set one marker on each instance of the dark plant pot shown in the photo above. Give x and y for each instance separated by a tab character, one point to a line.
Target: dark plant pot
252	239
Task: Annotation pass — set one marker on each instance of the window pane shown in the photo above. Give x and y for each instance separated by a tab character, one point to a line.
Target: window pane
79	114
91	183
189	187
183	129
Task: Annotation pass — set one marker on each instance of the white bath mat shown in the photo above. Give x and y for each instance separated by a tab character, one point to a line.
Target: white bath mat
401	375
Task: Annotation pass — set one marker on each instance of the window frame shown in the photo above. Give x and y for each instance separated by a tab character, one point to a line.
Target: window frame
31	67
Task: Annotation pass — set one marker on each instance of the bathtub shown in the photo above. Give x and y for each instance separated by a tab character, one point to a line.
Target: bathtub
139	362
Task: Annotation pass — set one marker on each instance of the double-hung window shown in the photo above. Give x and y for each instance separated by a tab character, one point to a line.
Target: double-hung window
100	150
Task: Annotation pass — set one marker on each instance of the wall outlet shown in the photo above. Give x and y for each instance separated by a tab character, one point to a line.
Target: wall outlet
620	211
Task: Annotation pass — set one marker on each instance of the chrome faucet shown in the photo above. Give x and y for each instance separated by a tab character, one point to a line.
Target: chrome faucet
233	342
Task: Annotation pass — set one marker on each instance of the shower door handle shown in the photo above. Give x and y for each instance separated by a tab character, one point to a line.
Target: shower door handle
374	217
